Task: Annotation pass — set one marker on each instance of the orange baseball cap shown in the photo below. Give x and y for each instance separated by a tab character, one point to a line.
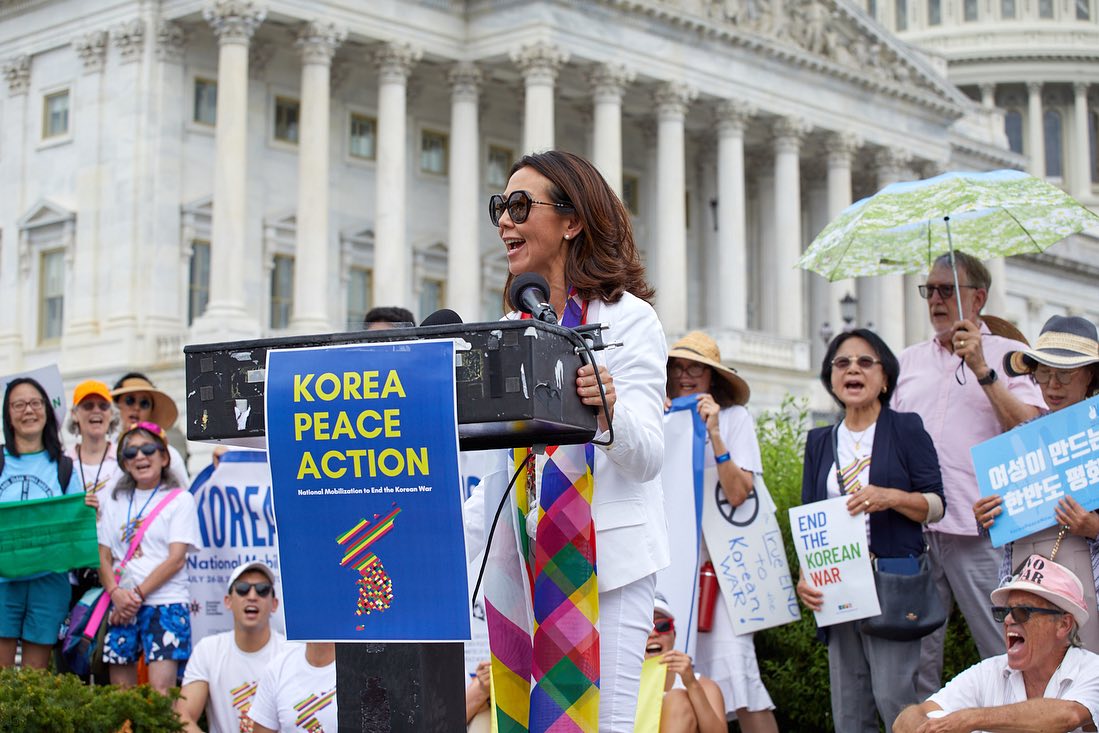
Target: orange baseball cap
91	387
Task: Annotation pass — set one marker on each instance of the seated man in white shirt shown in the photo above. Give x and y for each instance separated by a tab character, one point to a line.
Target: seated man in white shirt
1045	682
298	691
223	671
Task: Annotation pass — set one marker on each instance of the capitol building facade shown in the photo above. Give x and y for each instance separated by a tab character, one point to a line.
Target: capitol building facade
185	171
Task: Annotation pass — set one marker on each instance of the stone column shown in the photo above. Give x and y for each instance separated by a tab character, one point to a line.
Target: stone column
463	293
732	236
234	22
671	100
1080	148
1035	134
392	257
608	84
317	42
785	279
82	300
17	75
889	319
538	63
841	148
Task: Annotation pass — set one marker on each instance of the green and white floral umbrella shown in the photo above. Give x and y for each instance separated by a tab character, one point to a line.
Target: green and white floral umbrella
906	225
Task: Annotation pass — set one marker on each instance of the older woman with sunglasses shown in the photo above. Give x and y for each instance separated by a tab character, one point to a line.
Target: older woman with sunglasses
885	464
1065	365
559	218
92	420
149	594
32	607
139	400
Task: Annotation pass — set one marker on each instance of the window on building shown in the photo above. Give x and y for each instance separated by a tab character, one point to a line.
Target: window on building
631	193
1053	136
433	152
360	294
902	15
1007	8
872	8
498	166
55	114
282	291
364	137
198	287
432	295
51	299
1045	9
1083	9
1013	128
969	10
934	12
1093	132
287	115
206	102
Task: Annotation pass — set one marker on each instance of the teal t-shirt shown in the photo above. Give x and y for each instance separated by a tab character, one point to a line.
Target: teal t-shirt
32	476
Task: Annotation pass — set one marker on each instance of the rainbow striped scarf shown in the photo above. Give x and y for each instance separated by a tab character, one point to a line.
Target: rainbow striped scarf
542	601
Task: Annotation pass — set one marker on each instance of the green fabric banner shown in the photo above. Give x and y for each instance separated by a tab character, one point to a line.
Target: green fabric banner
47	535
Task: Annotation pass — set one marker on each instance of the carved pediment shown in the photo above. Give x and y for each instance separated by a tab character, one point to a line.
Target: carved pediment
45	212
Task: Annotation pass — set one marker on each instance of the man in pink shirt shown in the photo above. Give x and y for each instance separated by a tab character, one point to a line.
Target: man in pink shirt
960	407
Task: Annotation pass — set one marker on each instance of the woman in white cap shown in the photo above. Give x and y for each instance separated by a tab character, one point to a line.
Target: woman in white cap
1065	364
695	369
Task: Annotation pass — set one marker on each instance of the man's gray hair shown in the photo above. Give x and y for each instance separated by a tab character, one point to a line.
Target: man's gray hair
976	273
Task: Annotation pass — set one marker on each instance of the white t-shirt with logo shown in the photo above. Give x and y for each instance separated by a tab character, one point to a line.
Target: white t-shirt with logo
232	676
177	522
295	696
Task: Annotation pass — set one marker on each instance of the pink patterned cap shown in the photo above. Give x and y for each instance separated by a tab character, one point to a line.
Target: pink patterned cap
1050	580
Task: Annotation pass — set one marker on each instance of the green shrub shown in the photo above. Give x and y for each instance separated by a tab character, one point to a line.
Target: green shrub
793	664
33	701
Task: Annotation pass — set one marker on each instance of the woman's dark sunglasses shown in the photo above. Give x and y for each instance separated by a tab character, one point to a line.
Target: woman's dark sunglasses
865	362
664	626
144	403
517	205
1021	614
241	588
130	452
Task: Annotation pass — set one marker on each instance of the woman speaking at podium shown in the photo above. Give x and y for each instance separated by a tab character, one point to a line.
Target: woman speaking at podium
567	626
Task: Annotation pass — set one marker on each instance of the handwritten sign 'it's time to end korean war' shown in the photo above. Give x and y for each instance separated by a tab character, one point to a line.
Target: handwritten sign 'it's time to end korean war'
1036	464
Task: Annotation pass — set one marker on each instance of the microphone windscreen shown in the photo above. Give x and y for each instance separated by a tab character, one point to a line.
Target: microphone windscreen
442	317
524	281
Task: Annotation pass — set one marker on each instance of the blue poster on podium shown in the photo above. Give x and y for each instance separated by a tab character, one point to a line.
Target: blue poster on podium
1034	465
363	446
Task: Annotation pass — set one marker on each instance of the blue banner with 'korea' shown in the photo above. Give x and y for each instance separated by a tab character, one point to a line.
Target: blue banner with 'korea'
1034	465
363	446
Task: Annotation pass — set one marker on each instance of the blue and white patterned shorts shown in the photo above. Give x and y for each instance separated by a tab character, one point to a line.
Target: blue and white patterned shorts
162	632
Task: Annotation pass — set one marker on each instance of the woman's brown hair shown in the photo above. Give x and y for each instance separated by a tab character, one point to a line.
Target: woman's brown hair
602	261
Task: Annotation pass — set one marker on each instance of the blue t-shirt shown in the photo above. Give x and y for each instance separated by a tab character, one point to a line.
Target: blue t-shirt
32	476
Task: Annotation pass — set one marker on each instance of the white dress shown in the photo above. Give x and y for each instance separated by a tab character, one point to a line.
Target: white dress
720	654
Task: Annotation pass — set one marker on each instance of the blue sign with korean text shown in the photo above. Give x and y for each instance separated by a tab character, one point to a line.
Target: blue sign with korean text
363	446
1036	464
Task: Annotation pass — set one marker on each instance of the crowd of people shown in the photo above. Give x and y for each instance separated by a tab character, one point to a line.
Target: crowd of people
899	456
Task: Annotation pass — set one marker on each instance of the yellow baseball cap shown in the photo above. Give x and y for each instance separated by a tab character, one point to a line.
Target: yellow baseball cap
91	387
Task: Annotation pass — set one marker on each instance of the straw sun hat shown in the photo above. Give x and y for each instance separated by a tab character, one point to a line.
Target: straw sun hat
164	411
697	346
1066	342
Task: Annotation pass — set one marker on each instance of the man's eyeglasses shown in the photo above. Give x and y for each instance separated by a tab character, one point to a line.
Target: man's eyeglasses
844	362
89	405
35	404
944	291
147	449
242	587
694	369
664	626
1022	614
517	205
1043	374
144	403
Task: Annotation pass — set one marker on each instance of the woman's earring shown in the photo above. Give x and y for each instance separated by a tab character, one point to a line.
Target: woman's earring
567	236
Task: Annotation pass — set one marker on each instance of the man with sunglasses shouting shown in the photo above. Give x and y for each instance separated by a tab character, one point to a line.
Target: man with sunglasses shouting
961	405
223	672
1045	682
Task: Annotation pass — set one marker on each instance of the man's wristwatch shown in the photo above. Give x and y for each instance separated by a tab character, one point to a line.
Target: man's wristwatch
988	378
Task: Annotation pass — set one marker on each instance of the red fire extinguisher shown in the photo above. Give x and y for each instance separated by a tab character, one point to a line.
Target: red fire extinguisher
707	596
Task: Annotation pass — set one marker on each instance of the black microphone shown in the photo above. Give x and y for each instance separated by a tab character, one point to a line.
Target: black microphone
530	293
441	317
